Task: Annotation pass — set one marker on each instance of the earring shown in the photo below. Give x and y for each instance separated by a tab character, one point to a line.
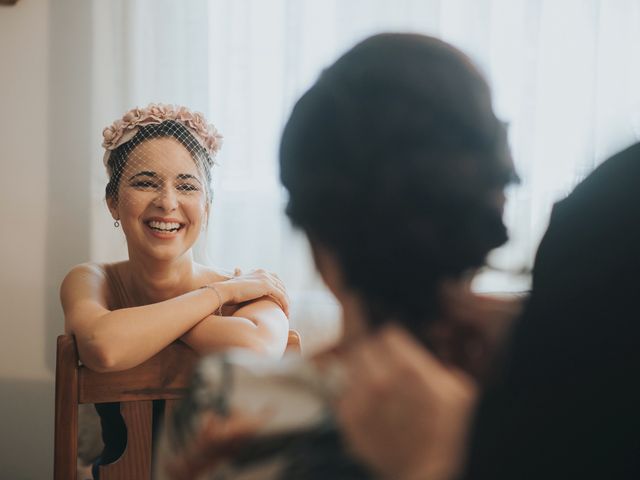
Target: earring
116	223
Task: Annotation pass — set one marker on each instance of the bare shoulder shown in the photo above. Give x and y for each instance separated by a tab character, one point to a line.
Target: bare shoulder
84	272
86	280
206	274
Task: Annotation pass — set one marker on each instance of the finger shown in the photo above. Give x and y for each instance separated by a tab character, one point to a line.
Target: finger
281	300
280	297
281	287
279	291
275	280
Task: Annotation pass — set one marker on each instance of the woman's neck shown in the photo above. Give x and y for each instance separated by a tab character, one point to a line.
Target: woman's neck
354	318
153	281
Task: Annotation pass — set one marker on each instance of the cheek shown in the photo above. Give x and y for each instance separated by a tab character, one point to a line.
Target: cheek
196	209
131	203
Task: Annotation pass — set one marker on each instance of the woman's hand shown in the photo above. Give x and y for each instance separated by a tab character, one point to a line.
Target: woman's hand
256	284
404	413
254	316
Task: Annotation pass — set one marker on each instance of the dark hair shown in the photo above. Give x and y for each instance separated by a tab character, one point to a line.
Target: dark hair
169	128
393	160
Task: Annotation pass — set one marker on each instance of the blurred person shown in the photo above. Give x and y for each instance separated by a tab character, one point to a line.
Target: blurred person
395	165
564	403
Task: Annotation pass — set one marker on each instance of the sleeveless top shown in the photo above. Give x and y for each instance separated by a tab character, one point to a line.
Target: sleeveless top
114	431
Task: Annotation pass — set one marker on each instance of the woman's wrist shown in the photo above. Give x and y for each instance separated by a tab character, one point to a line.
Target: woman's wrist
225	292
220	295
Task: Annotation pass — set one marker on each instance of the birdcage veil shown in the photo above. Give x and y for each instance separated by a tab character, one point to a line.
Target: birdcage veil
133	161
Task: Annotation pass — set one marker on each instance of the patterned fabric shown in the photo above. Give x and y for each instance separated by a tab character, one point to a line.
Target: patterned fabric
300	439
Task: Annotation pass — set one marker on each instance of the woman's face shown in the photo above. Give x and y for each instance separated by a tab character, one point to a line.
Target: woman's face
161	200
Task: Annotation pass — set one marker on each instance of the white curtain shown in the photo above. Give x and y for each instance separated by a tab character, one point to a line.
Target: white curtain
565	76
143	51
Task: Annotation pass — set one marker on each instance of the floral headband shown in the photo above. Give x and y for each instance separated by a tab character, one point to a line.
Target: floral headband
124	129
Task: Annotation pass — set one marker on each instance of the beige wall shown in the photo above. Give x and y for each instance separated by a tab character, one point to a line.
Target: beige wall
23	187
44	92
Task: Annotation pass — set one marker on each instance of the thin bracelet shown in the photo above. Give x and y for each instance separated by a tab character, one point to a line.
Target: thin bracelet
219	311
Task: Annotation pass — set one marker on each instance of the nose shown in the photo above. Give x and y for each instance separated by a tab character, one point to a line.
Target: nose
166	199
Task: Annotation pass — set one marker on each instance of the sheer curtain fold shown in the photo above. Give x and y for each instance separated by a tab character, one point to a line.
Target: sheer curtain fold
144	51
565	76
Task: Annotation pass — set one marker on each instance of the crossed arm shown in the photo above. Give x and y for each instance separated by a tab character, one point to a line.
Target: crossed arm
120	339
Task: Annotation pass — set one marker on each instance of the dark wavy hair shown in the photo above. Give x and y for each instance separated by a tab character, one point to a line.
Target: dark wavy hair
169	128
393	160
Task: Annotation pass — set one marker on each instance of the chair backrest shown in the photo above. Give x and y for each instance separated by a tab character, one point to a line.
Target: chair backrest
163	377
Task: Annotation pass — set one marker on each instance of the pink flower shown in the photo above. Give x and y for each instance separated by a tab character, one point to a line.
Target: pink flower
184	115
133	116
123	130
112	134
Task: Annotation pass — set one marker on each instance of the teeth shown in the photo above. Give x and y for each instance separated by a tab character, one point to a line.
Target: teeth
167	227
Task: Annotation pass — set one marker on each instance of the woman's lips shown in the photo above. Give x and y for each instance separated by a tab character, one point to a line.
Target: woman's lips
164	229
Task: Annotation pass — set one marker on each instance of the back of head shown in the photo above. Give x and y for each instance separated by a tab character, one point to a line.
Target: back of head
395	162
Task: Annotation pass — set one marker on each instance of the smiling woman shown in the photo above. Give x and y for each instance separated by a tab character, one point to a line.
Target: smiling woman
150	193
159	162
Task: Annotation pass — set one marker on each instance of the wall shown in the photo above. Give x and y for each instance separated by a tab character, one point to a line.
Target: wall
44	98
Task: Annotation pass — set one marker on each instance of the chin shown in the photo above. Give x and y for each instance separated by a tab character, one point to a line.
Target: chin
164	249
169	253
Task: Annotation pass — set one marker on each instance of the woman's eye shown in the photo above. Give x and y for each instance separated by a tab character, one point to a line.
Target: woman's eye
187	187
145	184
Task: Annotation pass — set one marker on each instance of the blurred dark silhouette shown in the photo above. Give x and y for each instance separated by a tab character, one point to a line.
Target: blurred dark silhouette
566	403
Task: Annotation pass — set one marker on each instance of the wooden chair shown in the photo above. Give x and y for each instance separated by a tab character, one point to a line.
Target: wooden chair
163	377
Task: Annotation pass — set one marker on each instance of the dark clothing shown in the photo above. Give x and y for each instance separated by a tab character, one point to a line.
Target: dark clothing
114	431
566	403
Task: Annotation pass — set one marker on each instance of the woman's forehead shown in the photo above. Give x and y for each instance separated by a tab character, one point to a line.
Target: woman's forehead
164	156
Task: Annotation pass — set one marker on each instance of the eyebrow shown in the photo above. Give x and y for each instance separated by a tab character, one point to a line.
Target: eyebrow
144	174
188	176
180	176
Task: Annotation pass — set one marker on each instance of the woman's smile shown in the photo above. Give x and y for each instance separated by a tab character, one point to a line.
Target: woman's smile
165	228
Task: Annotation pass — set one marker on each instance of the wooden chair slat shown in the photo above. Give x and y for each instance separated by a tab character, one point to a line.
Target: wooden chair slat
66	410
164	376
